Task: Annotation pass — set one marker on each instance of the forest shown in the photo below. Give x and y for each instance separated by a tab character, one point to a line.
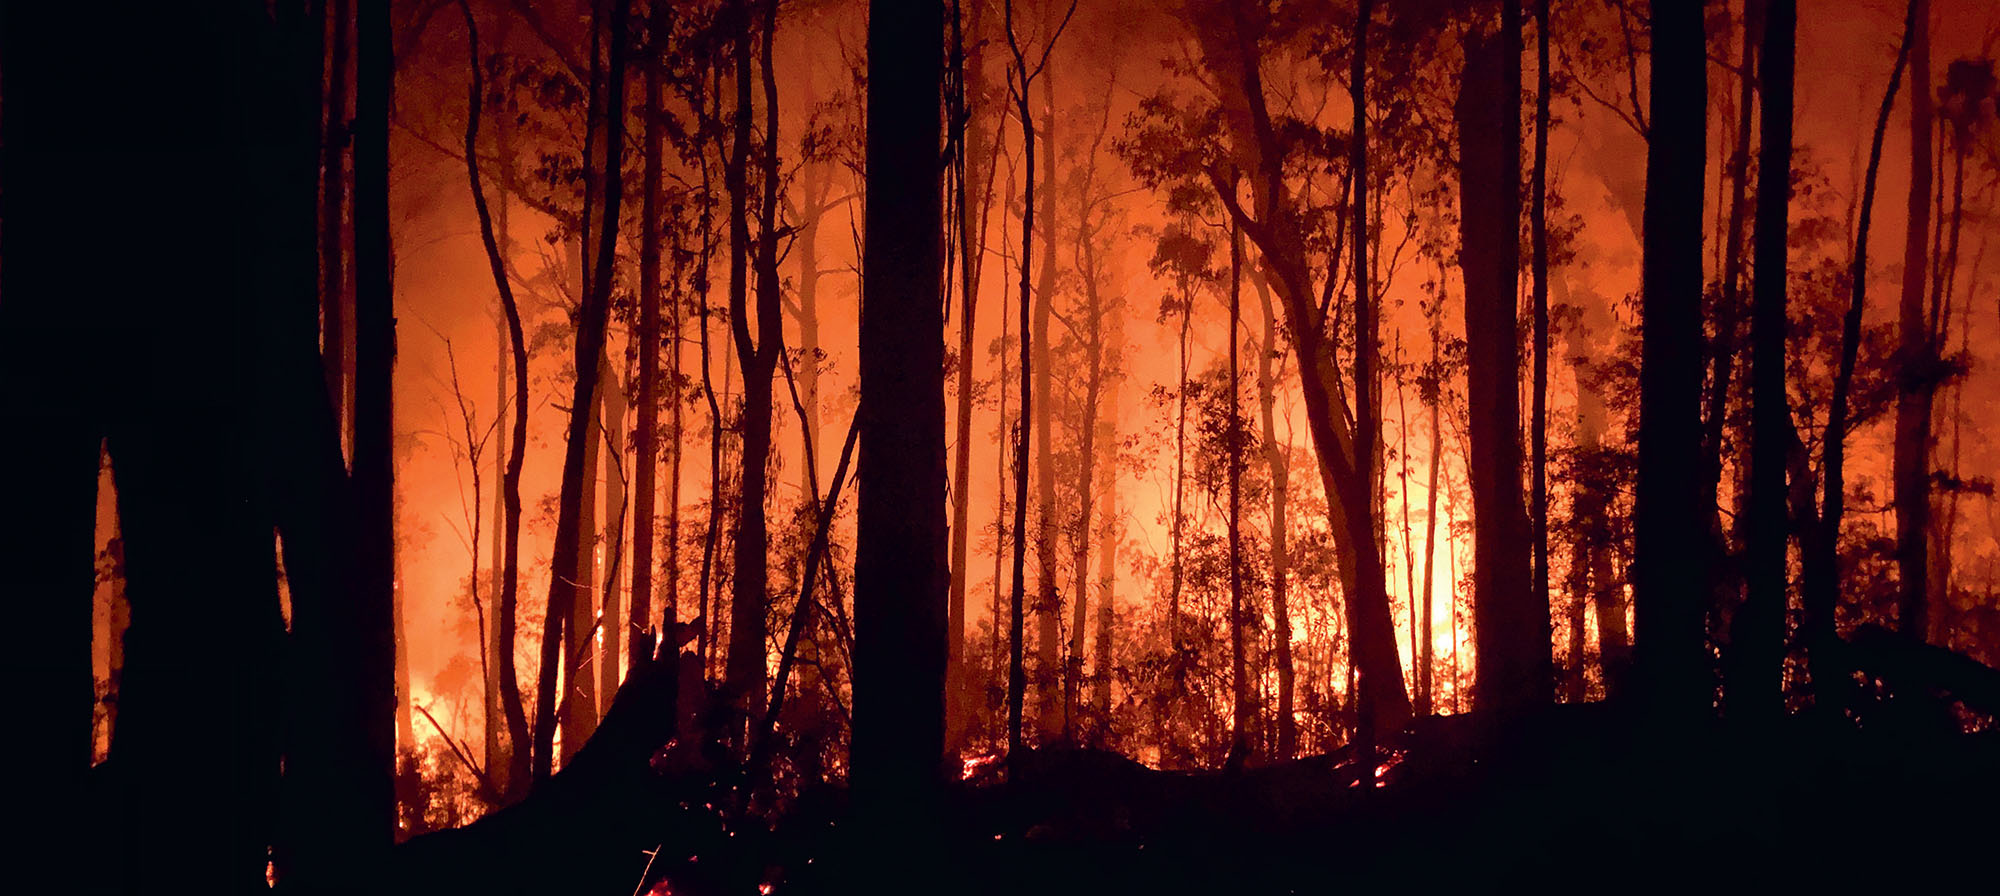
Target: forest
765	446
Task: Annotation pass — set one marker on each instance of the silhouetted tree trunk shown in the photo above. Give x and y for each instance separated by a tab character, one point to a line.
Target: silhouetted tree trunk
492	724
1513	660
1019	83
507	600
151	352
1821	569
1239	681
1177	575
1916	353
1434	397
336	306
1280	466
968	63
744	677
712	528
901	585
1723	349
1670	552
646	438
1538	235
1758	634
1048	599
576	694
1107	536
566	565
1086	460
1382	702
611	617
364	816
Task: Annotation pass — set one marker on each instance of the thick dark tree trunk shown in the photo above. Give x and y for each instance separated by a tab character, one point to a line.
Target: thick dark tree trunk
161	352
1382	703
1670	551
744	677
1916	352
900	580
1756	684
336	307
1512	624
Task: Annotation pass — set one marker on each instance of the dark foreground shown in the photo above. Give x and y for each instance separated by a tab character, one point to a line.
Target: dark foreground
1891	792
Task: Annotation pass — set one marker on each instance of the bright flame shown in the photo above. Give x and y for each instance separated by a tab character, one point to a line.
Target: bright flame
973	764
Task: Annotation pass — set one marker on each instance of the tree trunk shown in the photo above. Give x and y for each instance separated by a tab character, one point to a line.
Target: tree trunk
507	599
1512	672
1426	678
1275	457
1107	537
901	582
566	565
1538	234
1382	702
1239	683
1048	599
490	712
1086	461
647	338
576	694
1670	553
366	813
968	61
745	678
1916	353
1756	685
611	622
1017	681
1821	569
1729	311
336	306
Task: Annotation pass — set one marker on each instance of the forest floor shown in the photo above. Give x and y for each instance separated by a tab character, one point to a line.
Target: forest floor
1899	791
1578	799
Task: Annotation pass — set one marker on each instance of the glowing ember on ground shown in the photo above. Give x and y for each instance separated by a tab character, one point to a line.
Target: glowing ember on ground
972	765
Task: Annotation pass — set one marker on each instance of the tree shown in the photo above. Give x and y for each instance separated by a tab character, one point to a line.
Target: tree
1277	460
1820	578
507	598
1271	221
1020	78
1669	575
1916	351
1513	625
1538	236
744	677
1758	632
647	337
901	583
592	320
969	166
